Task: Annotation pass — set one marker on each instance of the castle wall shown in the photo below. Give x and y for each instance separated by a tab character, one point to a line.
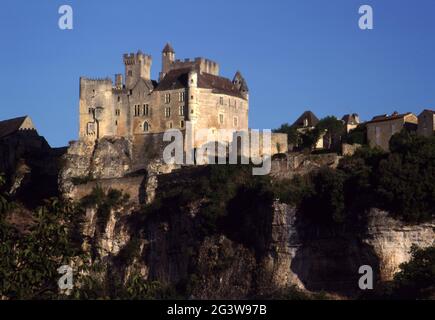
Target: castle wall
96	94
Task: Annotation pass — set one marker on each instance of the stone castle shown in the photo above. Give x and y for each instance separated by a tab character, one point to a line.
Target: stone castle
137	107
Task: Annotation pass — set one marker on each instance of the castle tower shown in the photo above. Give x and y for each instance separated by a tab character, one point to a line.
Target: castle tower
168	57
241	85
136	66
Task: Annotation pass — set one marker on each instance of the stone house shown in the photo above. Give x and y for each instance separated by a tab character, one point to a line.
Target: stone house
307	122
426	123
351	121
381	128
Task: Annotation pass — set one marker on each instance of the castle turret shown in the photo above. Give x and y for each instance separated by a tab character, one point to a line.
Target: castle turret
168	57
241	85
137	66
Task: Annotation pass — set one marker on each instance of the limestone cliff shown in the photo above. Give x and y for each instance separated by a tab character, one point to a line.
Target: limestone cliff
283	250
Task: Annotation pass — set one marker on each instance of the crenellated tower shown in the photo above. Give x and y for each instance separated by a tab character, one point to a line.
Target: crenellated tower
137	66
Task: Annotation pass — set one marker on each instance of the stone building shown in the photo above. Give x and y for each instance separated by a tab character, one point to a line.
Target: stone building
426	123
351	121
141	109
381	128
307	122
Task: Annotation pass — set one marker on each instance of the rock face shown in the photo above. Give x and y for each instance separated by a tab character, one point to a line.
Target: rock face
392	240
109	158
289	251
295	254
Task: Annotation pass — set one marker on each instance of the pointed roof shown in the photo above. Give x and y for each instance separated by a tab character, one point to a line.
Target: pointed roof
311	118
10	126
168	48
241	81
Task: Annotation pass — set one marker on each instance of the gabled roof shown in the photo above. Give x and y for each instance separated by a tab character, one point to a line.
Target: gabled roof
385	117
10	126
308	115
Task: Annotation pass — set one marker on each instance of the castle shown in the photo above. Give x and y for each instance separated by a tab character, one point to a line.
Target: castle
139	107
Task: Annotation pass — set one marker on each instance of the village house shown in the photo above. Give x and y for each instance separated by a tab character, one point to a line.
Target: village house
381	128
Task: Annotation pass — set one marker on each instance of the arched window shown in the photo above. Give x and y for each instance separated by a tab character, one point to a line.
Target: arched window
146	127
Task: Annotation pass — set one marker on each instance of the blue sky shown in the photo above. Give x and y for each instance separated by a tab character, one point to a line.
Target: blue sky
295	54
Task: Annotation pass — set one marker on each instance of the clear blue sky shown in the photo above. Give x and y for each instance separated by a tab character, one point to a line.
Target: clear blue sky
295	54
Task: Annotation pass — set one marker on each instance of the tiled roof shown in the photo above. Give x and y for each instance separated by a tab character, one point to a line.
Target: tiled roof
178	78
174	79
310	116
8	127
218	84
385	117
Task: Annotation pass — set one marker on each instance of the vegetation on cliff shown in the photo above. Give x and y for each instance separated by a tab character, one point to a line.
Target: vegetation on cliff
229	220
401	182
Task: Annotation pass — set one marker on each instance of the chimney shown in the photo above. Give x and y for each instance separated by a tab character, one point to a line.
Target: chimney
118	81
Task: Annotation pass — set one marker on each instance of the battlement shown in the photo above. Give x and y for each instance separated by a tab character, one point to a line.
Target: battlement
95	81
133	58
204	65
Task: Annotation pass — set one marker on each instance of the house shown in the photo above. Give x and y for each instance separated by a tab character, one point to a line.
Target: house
307	122
426	123
351	121
381	128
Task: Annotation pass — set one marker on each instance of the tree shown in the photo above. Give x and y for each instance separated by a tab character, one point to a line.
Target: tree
416	279
357	135
333	129
292	133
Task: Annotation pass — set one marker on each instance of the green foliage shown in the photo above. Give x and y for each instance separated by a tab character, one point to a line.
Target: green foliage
357	135
29	262
406	181
416	279
334	129
401	182
291	131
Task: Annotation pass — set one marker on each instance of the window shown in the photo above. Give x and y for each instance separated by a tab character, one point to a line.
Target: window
181	111
170	125
131	92
221	119
221	101
182	124
116	123
146	127
90	110
146	110
181	97
119	98
236	121
305	122
135	110
167	98
117	112
167	112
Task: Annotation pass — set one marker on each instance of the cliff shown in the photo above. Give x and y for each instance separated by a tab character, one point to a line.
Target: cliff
257	248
